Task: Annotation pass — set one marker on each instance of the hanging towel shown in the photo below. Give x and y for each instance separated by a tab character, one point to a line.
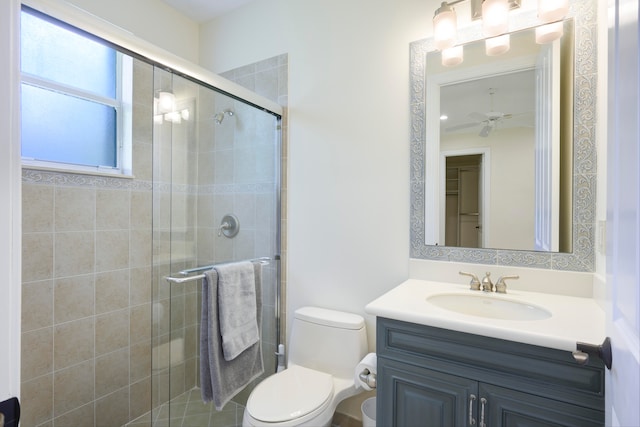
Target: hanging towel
237	308
222	379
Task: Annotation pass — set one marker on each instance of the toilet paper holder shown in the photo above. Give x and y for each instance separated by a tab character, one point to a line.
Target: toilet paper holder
368	377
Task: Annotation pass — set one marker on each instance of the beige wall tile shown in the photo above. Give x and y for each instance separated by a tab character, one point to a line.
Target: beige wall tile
37	208
37	353
37	300
83	416
74	387
112	250
112	331
112	372
37	256
75	209
112	209
73	298
140	323
113	409
140	285
112	291
140	399
141	205
75	253
141	248
142	160
140	362
36	400
73	342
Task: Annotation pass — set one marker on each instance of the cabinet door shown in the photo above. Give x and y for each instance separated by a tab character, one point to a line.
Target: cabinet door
509	408
412	396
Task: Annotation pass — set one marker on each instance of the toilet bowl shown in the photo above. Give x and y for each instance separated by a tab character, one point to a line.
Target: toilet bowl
325	347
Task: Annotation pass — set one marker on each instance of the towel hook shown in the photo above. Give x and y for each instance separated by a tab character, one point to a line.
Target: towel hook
229	226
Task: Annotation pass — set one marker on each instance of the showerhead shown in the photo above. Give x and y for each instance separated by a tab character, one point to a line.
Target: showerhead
220	116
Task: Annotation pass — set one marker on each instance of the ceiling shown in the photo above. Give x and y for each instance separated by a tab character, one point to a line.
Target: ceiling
464	103
205	10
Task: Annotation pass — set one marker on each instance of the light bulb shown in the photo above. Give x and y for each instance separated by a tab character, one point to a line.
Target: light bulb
452	56
495	17
445	27
166	102
497	45
550	32
552	10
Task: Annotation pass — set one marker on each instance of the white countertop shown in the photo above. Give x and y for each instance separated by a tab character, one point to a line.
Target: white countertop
573	319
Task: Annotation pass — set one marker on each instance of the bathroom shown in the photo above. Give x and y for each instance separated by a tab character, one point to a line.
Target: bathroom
348	157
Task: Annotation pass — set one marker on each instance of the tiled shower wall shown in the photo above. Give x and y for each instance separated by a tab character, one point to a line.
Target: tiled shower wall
87	274
86	268
270	78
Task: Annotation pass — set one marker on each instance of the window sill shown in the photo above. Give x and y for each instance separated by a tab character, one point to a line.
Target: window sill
34	165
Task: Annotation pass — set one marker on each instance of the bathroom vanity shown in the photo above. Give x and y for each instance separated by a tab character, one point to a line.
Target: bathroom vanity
449	368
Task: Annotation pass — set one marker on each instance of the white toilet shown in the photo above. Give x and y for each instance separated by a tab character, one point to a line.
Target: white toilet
325	347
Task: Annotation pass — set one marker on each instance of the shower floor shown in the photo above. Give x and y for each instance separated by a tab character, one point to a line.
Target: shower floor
187	410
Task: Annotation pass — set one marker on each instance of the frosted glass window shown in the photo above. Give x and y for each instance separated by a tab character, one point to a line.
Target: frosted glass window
72	98
66	129
55	53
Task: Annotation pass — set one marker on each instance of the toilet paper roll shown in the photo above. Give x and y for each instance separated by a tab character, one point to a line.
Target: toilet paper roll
368	366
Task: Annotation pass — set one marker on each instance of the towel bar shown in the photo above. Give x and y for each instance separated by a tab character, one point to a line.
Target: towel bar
187	278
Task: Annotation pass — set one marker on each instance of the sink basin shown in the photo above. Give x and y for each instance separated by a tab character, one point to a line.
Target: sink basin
495	307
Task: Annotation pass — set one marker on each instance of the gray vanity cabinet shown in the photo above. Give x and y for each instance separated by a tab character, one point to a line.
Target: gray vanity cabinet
437	377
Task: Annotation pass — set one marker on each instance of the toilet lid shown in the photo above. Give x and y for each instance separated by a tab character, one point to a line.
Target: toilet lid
292	393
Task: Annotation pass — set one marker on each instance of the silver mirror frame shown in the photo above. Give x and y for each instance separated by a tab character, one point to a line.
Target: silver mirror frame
582	258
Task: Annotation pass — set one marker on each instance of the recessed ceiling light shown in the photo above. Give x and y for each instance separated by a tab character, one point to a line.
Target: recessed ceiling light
444	117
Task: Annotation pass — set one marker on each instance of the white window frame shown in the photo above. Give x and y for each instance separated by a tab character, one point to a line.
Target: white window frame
122	104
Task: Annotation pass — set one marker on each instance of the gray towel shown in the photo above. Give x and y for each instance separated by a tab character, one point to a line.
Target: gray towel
237	308
220	379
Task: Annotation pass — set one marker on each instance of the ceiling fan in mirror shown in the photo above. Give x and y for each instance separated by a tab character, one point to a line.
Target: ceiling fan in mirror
489	121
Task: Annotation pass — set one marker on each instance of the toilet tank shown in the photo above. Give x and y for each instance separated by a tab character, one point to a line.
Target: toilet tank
328	341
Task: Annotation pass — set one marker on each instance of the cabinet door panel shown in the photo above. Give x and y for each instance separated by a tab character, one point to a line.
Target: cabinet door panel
413	396
511	408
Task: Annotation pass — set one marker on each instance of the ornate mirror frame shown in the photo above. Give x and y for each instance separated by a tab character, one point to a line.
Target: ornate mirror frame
584	154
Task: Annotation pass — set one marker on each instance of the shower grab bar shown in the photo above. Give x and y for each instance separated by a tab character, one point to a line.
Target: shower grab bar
261	260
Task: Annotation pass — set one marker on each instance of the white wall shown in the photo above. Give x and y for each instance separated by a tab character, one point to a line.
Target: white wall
10	206
512	205
151	20
348	229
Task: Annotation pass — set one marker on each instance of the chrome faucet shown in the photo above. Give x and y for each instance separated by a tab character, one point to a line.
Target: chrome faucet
501	285
474	285
487	284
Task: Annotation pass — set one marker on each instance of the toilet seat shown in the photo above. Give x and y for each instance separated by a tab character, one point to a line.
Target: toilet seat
291	394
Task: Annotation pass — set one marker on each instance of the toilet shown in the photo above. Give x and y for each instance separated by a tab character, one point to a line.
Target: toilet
325	347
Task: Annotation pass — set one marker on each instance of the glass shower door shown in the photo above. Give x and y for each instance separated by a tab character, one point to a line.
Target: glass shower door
214	155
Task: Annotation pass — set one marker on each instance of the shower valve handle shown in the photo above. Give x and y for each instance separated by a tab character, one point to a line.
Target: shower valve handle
224	226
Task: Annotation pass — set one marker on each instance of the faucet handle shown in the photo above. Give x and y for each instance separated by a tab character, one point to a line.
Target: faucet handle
487	284
474	285
501	285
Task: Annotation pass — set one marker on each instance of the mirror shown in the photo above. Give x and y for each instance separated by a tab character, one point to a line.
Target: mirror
572	208
507	112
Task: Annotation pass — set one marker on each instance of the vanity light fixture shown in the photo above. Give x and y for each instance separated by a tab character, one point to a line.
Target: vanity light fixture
495	17
495	46
552	10
164	108
549	32
495	25
445	26
166	102
452	56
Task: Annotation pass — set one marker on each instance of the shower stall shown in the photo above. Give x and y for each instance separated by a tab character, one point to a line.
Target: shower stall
216	199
